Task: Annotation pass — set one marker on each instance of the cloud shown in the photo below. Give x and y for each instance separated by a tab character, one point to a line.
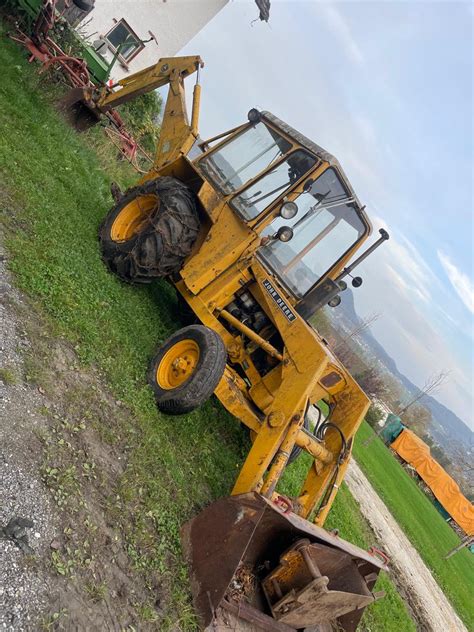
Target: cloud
341	29
405	265
461	283
401	285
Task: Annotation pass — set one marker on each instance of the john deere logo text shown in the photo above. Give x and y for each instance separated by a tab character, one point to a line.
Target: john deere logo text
279	301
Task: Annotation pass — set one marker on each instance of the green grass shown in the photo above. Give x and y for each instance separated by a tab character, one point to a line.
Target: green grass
54	192
422	523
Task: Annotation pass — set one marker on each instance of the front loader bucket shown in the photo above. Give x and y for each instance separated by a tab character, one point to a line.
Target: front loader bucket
274	569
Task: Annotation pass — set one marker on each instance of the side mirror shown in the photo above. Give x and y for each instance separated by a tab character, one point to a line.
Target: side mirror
356	282
308	184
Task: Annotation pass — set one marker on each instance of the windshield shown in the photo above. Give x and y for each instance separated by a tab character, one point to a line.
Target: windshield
244	157
257	197
325	227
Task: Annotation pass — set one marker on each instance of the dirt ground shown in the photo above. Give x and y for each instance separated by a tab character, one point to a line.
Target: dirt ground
24	587
427	600
62	452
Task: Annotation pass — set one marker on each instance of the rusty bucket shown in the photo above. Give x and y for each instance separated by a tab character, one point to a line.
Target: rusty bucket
252	560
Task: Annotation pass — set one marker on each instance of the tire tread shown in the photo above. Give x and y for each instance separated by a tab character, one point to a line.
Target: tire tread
160	248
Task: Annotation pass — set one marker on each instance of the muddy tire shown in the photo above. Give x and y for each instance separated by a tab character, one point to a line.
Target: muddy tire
187	369
150	231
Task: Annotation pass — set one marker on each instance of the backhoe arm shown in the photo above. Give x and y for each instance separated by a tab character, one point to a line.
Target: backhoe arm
172	70
177	134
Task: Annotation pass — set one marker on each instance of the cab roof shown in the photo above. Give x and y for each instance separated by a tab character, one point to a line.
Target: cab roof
315	149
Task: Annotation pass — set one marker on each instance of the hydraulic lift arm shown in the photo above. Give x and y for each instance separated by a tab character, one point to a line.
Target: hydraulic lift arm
177	133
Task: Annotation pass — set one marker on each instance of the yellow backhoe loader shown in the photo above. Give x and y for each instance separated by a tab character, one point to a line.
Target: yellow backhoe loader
256	229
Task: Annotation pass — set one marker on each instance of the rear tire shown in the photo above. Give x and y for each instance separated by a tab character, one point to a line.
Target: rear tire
187	369
150	231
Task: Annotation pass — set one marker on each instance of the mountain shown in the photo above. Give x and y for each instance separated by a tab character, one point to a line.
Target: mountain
447	423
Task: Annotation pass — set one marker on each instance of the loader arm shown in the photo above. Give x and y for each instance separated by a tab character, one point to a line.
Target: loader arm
177	133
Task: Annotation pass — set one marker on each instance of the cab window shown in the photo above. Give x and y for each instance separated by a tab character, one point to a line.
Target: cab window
325	227
243	157
275	183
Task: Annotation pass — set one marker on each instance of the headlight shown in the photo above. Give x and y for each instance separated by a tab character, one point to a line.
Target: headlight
285	233
288	210
335	301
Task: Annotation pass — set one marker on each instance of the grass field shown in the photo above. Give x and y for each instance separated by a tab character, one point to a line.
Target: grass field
53	194
422	523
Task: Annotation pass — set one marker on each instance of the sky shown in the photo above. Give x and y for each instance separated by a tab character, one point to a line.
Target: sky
387	87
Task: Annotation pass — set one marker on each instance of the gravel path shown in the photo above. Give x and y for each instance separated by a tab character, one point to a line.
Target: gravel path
24	586
425	596
92	584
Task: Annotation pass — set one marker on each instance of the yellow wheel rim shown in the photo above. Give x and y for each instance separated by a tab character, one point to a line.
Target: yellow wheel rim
178	364
132	217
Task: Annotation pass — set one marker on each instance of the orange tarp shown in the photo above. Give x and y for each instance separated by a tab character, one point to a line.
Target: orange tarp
415	452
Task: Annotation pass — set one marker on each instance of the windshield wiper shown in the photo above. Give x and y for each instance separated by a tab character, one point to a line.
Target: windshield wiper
312	209
320	198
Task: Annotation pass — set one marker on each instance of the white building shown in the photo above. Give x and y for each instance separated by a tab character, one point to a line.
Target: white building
126	26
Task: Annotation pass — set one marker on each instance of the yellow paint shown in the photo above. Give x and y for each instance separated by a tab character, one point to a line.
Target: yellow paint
178	364
132	217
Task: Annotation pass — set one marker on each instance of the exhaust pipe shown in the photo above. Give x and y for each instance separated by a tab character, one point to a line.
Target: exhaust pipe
384	236
327	292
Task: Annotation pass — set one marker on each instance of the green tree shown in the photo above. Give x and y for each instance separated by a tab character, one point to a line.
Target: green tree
141	117
373	416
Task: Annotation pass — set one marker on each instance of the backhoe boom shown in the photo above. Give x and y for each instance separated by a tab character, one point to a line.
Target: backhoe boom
177	133
172	70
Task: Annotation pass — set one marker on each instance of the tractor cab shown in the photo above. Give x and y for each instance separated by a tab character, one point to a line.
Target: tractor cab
295	196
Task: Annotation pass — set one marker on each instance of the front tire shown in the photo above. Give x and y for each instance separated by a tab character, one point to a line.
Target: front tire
187	369
150	231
